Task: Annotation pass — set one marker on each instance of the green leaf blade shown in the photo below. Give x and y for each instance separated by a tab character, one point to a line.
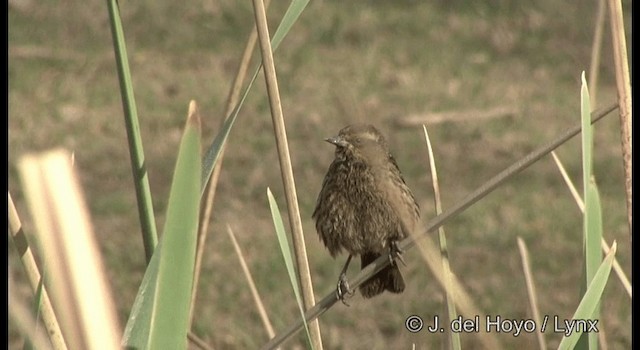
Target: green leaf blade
290	17
170	314
587	133
592	221
591	298
136	332
286	254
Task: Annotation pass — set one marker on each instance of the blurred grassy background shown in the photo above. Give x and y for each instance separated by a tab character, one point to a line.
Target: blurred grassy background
343	62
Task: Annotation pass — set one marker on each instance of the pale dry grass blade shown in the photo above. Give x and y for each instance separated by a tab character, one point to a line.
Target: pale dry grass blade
23	247
79	286
197	342
605	247
464	302
567	180
623	84
285	167
531	291
454	337
252	286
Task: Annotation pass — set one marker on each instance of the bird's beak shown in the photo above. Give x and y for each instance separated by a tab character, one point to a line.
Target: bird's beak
337	140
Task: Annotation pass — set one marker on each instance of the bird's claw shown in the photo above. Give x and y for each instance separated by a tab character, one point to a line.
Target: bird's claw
342	290
395	253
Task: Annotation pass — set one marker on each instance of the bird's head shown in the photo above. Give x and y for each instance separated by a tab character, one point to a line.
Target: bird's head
360	141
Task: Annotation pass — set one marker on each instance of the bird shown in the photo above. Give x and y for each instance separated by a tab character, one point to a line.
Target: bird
365	208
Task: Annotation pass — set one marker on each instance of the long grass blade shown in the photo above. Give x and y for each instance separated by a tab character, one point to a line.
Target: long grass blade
290	17
286	254
454	337
592	214
213	152
252	286
586	135
531	291
170	314
590	301
138	167
77	275
593	218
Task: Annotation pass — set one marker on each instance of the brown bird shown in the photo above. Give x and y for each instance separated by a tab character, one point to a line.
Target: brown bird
365	207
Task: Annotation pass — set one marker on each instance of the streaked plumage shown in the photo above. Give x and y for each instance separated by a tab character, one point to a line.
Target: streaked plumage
365	204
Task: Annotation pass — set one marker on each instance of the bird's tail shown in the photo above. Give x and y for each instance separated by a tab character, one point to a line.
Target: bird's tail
388	278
